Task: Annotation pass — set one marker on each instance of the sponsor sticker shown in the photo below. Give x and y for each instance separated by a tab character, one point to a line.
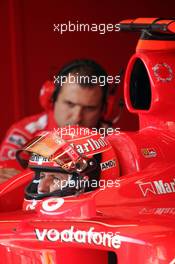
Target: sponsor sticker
17	139
91	145
108	164
158	211
157	187
79	236
163	72
52	204
37	125
8	153
149	152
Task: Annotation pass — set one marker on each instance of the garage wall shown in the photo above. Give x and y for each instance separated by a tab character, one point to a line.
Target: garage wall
32	52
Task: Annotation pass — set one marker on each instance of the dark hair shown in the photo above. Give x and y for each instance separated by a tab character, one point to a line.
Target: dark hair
83	67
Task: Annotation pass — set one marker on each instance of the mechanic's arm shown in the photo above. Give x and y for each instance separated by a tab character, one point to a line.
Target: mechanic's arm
7	173
15	138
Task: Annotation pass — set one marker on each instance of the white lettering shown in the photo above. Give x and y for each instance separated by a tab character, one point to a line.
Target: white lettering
41	235
52	204
159	186
53	235
116	242
79	236
67	235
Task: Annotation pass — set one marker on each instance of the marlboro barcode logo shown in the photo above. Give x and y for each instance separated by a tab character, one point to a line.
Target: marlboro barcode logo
91	145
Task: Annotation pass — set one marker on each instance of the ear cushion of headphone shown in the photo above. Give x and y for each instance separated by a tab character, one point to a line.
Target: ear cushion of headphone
110	111
45	95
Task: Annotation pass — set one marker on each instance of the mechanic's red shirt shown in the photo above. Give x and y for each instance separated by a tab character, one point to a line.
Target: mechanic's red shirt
23	131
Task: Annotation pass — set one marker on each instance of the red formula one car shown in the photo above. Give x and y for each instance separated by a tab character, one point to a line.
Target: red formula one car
131	221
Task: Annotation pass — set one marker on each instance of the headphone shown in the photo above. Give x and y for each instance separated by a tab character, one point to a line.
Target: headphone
50	89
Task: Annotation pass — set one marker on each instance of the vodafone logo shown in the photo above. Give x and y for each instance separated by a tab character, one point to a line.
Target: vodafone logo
52	204
73	235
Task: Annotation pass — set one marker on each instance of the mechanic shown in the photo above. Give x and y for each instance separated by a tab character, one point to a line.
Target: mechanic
81	103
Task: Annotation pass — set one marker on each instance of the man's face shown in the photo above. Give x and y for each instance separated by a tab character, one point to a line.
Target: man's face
78	105
52	181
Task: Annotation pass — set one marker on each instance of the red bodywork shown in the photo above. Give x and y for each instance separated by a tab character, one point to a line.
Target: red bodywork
131	221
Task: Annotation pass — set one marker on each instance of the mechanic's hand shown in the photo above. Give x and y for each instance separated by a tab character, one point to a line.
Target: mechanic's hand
7	173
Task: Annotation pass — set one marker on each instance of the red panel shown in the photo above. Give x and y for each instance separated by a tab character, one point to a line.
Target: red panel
144	20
